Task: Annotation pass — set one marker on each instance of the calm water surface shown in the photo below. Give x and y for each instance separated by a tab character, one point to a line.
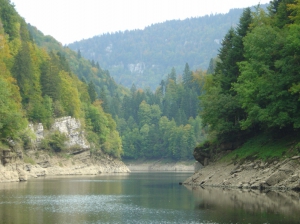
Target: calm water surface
139	198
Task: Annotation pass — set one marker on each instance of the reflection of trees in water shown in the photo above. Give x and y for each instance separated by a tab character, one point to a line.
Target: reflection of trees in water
235	205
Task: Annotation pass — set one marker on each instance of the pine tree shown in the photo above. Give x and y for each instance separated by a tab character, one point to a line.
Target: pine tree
92	91
104	100
22	70
187	76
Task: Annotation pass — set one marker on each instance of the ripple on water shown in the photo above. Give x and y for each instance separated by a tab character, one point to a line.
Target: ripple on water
104	206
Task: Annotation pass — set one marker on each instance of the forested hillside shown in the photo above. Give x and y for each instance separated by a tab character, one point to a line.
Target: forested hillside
164	124
145	57
160	124
256	83
39	85
41	80
87	71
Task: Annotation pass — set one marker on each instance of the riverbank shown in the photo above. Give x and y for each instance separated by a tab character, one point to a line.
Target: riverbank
161	165
255	174
38	164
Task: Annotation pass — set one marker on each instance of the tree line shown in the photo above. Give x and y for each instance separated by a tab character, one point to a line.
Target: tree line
164	123
254	86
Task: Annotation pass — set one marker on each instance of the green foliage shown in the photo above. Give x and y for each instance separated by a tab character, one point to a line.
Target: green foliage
9	18
29	160
265	147
69	95
163	124
92	91
255	86
102	130
11	117
27	138
55	141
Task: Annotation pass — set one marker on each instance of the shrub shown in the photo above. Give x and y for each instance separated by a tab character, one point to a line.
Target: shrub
55	142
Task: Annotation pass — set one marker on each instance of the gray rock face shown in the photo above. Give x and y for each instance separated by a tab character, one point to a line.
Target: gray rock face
256	175
202	154
22	175
72	129
137	68
276	178
38	130
65	125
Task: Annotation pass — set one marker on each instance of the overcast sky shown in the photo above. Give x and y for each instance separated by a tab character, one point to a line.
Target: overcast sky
72	20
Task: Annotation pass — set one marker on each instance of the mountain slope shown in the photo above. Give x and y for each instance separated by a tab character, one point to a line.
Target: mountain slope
39	85
144	57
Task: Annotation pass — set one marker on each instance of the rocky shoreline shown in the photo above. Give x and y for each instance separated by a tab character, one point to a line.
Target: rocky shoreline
161	165
284	175
45	165
19	164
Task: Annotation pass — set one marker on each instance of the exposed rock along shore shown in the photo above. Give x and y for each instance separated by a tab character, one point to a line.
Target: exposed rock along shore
80	164
250	175
161	165
78	161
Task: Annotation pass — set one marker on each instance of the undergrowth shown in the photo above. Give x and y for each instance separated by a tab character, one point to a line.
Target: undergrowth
264	147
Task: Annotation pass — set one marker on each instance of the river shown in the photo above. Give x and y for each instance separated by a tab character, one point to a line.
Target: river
139	198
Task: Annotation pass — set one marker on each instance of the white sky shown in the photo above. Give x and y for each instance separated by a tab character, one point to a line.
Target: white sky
72	20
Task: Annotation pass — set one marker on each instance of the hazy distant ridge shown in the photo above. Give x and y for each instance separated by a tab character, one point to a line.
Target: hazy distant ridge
144	56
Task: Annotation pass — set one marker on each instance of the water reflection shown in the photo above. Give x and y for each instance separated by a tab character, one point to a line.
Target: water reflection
251	206
140	198
134	198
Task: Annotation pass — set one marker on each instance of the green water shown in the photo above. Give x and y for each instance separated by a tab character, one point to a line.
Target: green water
139	198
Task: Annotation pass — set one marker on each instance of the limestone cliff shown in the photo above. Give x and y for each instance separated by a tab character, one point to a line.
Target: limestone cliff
18	164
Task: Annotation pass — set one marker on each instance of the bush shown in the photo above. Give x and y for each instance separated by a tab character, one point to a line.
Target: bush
55	142
27	137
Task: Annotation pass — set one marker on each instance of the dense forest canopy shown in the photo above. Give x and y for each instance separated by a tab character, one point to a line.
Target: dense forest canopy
255	85
164	124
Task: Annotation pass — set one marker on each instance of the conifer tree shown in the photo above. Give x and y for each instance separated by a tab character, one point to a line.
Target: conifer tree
92	91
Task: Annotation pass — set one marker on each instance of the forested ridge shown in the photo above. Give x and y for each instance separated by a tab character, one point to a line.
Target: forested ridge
144	57
254	88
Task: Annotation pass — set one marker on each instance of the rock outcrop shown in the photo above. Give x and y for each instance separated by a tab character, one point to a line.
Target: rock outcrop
78	161
203	154
250	174
44	165
72	129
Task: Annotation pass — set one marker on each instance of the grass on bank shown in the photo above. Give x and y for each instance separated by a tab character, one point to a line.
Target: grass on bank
265	147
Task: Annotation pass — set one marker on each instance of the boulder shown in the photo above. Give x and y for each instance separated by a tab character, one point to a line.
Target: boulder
276	178
22	175
202	154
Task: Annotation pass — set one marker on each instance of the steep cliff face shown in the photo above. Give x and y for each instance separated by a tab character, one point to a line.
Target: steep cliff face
68	126
34	162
